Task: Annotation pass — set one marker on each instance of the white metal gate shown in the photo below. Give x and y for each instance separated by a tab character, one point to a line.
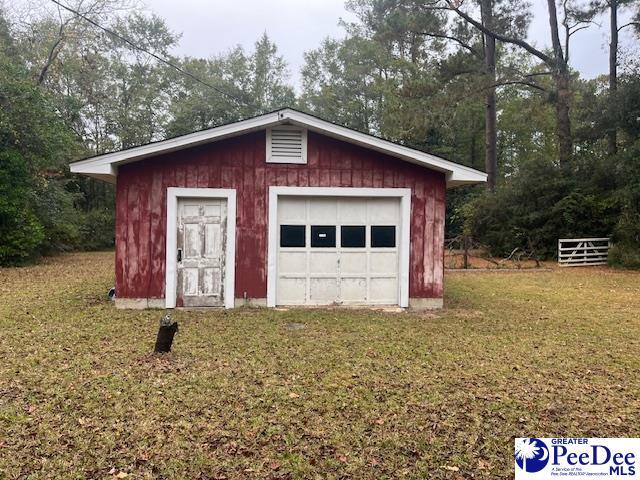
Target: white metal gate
578	252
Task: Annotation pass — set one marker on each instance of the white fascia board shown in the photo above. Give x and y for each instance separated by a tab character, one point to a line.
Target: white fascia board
104	172
456	174
95	168
89	165
105	166
461	183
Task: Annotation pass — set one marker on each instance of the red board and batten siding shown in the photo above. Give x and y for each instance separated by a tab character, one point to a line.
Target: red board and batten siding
239	163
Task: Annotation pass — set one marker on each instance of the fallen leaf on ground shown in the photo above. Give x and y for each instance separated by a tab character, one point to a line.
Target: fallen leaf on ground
450	468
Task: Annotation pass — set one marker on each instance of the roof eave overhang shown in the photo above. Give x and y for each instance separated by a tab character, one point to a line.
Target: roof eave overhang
105	167
456	182
456	174
106	172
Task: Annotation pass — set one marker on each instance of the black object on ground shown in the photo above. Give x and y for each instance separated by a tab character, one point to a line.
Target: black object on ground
168	328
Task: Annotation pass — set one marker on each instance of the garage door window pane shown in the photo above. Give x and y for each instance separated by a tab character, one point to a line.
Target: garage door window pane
323	236
292	235
352	236
383	236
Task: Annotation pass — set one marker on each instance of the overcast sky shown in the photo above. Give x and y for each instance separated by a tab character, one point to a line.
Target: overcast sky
210	27
214	26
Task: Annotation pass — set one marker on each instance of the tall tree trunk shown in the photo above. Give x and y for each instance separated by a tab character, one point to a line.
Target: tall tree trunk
612	143
557	63
563	126
563	92
490	119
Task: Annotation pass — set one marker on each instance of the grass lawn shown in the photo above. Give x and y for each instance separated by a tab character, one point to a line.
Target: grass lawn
355	394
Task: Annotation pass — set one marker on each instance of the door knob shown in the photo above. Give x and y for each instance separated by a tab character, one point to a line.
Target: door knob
179	254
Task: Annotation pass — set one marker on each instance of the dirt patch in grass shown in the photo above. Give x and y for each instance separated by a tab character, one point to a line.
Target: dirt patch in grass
354	394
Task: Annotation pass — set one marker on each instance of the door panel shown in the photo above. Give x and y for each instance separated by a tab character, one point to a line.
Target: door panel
384	289
292	262
352	211
212	241
292	291
190	281
353	289
211	281
191	241
353	263
323	211
323	262
323	291
202	241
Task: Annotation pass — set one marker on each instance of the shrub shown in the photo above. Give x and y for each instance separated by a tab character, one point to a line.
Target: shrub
624	256
55	209
21	233
97	229
535	208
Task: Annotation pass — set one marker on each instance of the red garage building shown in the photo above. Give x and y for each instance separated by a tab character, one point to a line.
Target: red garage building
280	209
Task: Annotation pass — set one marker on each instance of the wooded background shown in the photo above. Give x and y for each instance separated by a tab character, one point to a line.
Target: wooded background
456	78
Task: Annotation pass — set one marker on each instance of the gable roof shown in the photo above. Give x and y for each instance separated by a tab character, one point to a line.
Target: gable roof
105	167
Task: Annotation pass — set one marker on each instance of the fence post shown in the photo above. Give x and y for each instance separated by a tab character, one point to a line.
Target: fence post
465	241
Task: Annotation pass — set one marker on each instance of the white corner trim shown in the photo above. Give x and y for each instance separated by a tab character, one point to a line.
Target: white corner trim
173	193
404	194
272	247
405	245
105	166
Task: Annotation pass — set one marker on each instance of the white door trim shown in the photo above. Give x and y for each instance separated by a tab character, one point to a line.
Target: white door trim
173	193
404	194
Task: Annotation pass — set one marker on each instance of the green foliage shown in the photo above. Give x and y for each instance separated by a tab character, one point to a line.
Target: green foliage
37	213
62	80
20	230
97	229
254	83
627	229
406	71
55	208
624	256
416	75
533	210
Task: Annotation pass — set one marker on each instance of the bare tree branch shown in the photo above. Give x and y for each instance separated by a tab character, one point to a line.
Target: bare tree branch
452	38
503	38
518	82
576	30
637	24
54	50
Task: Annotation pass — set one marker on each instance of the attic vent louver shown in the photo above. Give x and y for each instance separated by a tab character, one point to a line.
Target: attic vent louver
286	144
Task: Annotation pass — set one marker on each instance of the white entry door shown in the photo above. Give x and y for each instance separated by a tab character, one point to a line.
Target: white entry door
201	241
338	250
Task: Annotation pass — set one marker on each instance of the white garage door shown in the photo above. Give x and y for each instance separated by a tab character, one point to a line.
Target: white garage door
338	250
